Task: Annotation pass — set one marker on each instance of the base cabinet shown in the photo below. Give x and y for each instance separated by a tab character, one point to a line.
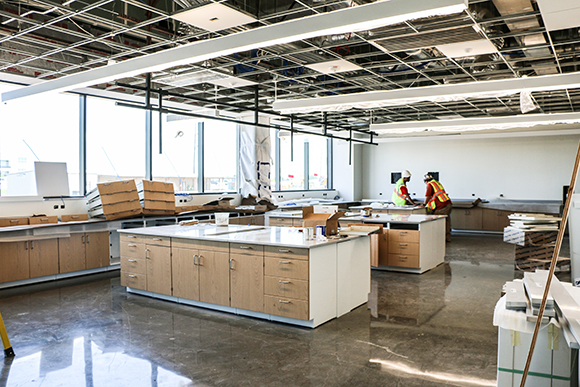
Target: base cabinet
83	251
14	261
247	281
43	256
467	219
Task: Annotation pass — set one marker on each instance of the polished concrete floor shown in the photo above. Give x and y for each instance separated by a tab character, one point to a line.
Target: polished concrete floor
433	329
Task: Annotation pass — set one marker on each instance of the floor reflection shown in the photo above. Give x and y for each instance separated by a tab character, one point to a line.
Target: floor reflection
433	329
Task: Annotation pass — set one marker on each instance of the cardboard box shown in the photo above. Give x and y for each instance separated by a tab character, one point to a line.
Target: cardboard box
521	237
74	218
156	186
313	219
156	197
6	222
43	219
182	209
114	200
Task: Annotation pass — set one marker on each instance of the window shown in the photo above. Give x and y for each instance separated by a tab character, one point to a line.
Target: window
221	157
115	142
178	162
291	165
38	128
317	162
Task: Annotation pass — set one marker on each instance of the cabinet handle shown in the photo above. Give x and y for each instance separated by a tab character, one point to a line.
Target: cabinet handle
402	257
402	244
284	282
157	239
74	217
231	267
14	221
131	276
402	232
131	245
284	251
245	247
285	262
284	302
132	260
83	239
31	245
26	245
194	257
146	253
199	260
88	238
131	236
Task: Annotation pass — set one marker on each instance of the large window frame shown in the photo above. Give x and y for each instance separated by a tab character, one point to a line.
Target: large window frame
148	173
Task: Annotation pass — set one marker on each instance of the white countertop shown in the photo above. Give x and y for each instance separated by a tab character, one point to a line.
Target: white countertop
392	218
390	206
259	235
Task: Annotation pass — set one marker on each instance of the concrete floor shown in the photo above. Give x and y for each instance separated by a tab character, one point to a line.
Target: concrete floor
433	329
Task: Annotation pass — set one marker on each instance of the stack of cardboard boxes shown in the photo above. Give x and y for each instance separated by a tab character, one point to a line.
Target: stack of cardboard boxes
156	197
114	200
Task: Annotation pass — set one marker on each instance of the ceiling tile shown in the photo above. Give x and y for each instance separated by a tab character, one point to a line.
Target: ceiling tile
214	17
334	66
462	49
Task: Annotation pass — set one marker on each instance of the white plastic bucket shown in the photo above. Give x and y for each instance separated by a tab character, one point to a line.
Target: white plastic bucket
222	218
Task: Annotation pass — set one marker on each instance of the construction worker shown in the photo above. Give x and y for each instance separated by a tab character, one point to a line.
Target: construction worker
401	194
437	202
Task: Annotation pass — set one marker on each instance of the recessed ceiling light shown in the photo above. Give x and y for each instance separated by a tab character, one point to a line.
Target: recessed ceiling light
471	48
334	66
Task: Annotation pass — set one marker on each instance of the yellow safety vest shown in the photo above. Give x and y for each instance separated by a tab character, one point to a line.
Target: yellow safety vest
398	198
438	193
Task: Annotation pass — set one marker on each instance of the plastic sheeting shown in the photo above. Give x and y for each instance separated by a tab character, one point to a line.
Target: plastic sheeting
255	160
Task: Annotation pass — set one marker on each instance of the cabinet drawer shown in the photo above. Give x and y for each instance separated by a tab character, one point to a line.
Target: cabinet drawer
286	268
134	280
131	249
157	241
285	252
405	248
244	248
297	222
286	307
280	222
5	222
403	260
286	287
396	236
134	265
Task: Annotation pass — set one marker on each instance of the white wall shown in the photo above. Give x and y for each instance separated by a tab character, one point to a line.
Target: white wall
347	179
520	168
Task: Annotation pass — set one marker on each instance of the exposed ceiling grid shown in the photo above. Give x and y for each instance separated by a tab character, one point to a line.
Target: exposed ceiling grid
44	40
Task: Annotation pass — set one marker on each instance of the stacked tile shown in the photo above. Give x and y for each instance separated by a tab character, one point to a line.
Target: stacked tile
534	236
156	197
535	284
114	200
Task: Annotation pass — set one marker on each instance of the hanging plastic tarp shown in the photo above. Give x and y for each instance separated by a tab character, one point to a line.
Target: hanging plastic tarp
527	102
255	160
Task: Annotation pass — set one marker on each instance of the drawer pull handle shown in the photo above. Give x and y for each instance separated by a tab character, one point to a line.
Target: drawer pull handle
402	244
199	257
284	302
402	232
31	245
402	257
157	239
75	217
284	250
131	236
245	247
131	245
284	282
131	276
132	260
194	257
147	253
26	244
14	221
285	262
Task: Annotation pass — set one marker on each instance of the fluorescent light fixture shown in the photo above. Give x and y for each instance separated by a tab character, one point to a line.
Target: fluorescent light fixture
333	66
471	48
231	82
192	78
475	124
437	93
214	17
364	17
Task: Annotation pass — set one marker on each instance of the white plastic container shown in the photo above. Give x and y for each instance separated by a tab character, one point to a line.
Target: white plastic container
222	218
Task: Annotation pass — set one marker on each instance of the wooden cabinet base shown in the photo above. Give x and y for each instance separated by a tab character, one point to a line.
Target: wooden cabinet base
287	307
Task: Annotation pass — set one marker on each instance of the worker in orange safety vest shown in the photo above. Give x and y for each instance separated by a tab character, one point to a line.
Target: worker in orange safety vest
437	202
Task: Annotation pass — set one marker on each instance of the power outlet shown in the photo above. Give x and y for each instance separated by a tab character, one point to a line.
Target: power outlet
55	207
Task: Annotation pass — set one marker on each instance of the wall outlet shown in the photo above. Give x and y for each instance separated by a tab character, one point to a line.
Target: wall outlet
55	207
380	193
62	206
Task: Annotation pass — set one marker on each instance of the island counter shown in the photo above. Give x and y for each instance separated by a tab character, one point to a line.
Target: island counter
264	272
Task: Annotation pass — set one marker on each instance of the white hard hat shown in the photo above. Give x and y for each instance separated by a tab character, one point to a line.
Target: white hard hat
406	173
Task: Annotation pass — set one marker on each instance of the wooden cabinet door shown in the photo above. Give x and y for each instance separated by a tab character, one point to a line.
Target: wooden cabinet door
158	269
71	253
185	273
43	257
14	262
214	277
97	249
467	219
247	281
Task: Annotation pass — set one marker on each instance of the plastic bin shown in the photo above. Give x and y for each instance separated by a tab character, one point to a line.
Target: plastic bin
222	218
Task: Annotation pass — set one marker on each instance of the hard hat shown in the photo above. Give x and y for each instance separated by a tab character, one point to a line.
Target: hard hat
427	177
406	173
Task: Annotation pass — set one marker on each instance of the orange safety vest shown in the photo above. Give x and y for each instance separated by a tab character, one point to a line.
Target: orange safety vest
438	193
